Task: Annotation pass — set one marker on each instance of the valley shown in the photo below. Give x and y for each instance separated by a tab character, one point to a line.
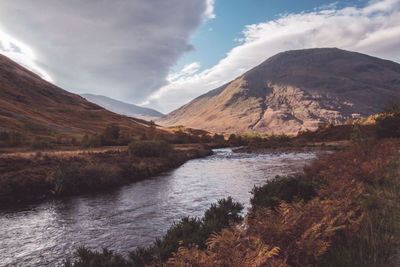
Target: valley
305	151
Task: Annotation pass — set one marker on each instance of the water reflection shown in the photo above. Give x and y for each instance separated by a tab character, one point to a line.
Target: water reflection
134	215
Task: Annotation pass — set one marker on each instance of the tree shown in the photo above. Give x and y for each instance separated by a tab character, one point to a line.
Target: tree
392	105
111	132
388	123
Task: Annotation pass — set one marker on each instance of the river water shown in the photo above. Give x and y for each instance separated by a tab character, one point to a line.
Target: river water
45	234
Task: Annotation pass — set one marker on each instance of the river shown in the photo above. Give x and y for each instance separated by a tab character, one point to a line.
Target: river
134	215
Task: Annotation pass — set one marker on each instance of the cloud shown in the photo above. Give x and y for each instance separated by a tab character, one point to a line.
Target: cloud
187	70
120	48
209	13
373	29
21	53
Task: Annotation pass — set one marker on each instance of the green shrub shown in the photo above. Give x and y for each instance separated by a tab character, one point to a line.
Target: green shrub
197	231
186	231
88	258
282	188
141	256
149	148
220	215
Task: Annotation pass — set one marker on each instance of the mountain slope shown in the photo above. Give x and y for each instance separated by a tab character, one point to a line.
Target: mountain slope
33	106
123	108
293	91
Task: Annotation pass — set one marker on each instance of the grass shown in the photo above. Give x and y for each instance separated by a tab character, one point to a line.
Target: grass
344	210
27	177
352	220
149	149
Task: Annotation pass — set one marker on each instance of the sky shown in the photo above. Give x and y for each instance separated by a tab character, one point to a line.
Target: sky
163	53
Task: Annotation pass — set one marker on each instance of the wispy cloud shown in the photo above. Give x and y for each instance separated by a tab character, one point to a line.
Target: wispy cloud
187	70
373	29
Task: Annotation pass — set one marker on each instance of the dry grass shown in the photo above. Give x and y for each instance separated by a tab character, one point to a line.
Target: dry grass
310	233
30	176
63	153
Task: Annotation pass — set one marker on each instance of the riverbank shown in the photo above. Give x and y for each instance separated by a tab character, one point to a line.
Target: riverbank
349	218
134	215
306	147
29	177
342	210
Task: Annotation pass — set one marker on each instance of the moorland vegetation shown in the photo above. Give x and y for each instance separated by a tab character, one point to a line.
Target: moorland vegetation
343	210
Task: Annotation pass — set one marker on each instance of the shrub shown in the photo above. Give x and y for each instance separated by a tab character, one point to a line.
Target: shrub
197	231
70	178
141	256
110	134
64	179
205	138
388	125
38	143
218	139
85	141
236	140
149	148
88	258
282	188
187	231
220	215
4	139
181	137
10	139
96	140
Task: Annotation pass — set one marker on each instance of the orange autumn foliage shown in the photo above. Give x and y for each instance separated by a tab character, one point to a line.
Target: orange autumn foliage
300	233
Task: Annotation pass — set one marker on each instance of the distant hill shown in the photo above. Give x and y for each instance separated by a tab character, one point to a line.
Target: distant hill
293	91
123	108
35	107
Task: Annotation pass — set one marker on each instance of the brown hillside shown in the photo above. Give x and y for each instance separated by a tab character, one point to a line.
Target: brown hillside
293	91
34	106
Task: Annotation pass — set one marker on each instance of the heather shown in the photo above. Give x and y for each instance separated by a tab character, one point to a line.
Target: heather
352	221
343	210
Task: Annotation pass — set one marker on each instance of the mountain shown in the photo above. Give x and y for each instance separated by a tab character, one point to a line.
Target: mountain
123	108
294	91
35	107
